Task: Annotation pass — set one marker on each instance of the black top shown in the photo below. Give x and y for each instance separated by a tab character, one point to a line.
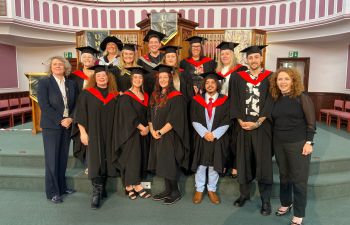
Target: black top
294	118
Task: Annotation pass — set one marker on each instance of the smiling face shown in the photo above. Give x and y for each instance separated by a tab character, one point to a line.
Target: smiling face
101	79
226	57
57	67
87	60
163	79
284	82
154	45
111	48
128	56
254	61
137	80
171	59
210	86
196	49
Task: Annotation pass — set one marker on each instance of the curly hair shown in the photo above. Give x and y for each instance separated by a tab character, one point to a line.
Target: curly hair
297	86
112	86
67	66
158	99
218	83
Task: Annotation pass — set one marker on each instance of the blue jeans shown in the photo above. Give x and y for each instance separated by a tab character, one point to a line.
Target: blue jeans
201	176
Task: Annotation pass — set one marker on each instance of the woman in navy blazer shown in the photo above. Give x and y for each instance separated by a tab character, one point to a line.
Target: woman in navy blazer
57	97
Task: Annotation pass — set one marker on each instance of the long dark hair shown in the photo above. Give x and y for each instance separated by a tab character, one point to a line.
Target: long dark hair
190	52
159	99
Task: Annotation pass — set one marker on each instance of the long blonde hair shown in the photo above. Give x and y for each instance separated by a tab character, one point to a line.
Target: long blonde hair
121	65
297	86
176	71
233	62
112	85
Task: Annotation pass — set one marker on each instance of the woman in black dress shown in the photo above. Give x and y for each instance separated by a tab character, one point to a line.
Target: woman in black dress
168	127
294	126
131	135
95	116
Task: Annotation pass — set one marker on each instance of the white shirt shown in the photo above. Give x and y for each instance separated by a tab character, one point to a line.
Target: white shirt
225	82
62	86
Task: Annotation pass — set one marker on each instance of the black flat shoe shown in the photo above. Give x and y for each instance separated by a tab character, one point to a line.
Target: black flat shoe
265	209
282	213
172	199
161	196
240	201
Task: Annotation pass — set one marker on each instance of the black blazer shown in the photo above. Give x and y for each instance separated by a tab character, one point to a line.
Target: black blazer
51	101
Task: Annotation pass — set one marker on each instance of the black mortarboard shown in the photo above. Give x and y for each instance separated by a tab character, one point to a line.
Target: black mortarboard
137	70
112	39
163	68
196	39
87	49
254	49
153	33
99	68
170	49
213	75
227	45
131	47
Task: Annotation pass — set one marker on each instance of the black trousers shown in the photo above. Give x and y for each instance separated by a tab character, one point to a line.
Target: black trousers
56	148
294	173
265	189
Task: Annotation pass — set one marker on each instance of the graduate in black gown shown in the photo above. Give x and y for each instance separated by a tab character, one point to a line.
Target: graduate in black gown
171	58
131	137
251	105
95	118
167	119
128	58
152	59
227	67
88	59
81	77
210	119
110	46
196	63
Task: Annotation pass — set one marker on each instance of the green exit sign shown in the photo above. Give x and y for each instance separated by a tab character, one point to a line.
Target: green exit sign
293	54
68	55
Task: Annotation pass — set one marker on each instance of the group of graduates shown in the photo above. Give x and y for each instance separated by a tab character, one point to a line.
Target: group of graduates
162	115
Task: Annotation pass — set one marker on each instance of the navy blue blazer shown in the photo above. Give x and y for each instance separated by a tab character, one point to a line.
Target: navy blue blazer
51	101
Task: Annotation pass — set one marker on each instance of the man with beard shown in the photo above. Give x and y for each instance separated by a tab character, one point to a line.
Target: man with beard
251	105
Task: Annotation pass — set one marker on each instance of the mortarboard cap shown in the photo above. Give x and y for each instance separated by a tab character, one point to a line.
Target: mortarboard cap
136	70
254	49
131	47
100	68
87	49
196	39
227	45
212	74
170	49
163	68
153	33
112	39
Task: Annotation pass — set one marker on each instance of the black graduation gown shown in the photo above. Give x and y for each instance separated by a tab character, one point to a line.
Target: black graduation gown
79	76
184	89
189	67
148	63
237	95
231	162
123	81
171	151
130	148
210	153
96	113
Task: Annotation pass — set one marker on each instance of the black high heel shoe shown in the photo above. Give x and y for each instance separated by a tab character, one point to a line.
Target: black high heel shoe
284	212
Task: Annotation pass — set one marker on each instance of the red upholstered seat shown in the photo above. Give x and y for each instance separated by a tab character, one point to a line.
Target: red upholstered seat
5	112
338	106
344	116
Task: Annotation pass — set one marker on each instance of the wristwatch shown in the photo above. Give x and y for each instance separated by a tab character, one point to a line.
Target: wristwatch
159	133
310	143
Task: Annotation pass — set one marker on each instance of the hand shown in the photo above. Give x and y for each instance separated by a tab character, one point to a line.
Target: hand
144	131
249	125
120	93
66	122
307	149
209	137
84	138
155	134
